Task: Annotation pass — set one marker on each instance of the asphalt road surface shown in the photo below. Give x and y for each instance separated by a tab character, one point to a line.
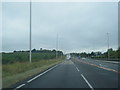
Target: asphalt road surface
76	73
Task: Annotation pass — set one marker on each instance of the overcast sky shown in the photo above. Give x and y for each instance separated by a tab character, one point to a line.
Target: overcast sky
80	26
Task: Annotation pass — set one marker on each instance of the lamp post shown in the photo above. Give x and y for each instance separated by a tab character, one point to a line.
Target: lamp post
30	60
108	45
57	46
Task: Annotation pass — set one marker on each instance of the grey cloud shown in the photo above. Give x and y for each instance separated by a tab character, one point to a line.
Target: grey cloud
80	26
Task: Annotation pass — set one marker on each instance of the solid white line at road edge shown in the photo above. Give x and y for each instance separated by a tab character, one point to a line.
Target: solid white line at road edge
20	86
42	73
87	82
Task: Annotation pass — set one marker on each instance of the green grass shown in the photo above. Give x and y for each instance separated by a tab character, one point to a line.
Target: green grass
0	75
24	57
18	71
14	57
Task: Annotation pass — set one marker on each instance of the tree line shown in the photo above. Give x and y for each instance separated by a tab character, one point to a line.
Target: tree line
113	54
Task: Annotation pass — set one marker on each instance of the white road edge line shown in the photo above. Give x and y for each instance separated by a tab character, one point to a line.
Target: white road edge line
41	74
20	86
87	82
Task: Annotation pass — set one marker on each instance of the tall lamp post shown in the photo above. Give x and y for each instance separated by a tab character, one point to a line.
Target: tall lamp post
108	45
57	46
30	60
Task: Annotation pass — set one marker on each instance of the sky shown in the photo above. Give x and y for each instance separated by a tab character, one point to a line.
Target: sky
80	27
0	28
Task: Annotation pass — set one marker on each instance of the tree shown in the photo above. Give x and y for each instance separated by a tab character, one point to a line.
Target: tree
92	54
40	49
34	50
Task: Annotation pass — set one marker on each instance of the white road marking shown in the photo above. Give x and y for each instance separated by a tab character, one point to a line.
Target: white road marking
87	82
76	67
41	74
20	86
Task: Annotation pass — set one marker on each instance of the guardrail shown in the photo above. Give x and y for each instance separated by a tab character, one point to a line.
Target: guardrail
106	59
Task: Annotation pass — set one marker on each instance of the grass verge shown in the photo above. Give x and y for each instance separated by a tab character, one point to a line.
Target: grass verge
13	73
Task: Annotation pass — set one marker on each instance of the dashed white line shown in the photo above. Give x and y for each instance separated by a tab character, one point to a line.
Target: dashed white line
76	67
41	74
20	86
87	82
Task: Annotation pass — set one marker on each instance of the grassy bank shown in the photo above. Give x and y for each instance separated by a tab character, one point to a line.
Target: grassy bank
18	71
14	57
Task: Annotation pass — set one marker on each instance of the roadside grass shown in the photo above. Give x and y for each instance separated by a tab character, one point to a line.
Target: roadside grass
8	58
12	73
0	76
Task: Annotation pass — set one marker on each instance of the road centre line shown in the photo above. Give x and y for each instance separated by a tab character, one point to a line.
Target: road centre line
87	82
76	67
42	73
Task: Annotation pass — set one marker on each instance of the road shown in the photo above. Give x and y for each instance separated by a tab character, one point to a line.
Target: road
76	73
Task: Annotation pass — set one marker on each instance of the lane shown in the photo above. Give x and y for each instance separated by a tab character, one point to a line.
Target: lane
108	64
73	74
99	78
65	75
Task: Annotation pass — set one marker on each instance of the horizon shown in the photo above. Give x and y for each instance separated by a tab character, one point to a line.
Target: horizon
57	50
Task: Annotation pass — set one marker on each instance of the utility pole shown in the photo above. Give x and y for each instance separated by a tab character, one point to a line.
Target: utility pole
108	45
30	35
57	46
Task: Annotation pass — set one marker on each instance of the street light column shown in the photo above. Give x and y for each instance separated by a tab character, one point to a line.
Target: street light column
57	46
30	60
108	45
